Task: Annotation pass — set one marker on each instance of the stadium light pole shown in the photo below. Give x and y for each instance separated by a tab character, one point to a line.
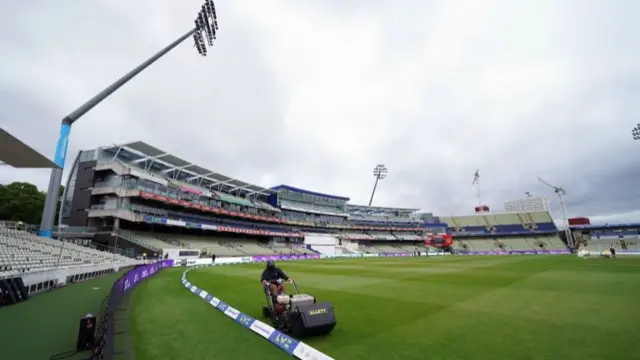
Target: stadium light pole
636	132
206	25
380	172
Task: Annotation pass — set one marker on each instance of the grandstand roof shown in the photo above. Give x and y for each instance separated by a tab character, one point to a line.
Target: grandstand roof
147	153
364	209
17	154
295	189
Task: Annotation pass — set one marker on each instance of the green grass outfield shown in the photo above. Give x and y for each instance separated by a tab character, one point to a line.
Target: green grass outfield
471	307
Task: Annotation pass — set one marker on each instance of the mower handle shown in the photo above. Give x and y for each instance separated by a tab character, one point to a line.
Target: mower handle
290	281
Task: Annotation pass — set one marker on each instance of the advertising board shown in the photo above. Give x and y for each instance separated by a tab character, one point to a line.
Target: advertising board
136	275
285	257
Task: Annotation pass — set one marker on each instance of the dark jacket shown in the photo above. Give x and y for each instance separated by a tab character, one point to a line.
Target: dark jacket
273	274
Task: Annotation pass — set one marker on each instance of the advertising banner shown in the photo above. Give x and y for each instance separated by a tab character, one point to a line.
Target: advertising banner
194	262
284	257
395	254
515	252
370	255
350	255
232	260
134	276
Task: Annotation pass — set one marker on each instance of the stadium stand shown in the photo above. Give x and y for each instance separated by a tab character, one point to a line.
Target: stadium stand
534	231
155	202
624	238
43	264
22	252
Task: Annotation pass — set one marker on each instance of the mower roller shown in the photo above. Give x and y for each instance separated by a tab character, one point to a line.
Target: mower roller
298	315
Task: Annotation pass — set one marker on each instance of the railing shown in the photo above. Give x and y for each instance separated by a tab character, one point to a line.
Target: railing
19	225
74	229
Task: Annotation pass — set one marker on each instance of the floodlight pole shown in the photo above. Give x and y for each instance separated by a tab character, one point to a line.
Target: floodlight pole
380	172
206	22
49	212
375	185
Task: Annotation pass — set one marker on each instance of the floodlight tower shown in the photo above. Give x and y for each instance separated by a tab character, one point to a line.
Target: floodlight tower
636	132
476	184
561	193
379	172
205	26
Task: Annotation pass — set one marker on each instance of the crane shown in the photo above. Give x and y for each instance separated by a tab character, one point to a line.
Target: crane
561	193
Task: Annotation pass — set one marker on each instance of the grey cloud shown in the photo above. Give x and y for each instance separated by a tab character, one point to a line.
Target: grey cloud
317	93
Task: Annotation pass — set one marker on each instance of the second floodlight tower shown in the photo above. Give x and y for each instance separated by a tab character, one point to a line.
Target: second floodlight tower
379	172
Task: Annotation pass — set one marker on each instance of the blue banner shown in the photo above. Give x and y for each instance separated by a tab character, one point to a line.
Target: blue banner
61	147
222	306
284	342
245	320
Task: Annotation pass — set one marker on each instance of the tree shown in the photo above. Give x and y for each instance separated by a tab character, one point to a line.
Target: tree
21	201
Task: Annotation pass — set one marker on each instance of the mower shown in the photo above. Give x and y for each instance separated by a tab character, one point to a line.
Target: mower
298	315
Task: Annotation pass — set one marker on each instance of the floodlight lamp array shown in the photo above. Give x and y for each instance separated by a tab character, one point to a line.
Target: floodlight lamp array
380	171
636	132
206	27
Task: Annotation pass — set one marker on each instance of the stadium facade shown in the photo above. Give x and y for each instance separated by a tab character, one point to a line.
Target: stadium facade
148	200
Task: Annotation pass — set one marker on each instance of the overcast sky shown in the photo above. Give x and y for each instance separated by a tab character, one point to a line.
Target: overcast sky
314	94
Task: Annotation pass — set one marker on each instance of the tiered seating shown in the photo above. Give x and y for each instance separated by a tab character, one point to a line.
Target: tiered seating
366	248
211	245
356	236
192	188
390	249
501	223
253	248
632	244
147	240
553	242
384	248
382	218
23	252
459	245
511	243
284	248
410	248
515	244
604	243
482	245
380	235
600	245
408	236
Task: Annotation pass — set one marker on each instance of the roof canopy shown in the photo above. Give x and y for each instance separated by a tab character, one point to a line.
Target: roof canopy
308	192
145	153
363	209
17	154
